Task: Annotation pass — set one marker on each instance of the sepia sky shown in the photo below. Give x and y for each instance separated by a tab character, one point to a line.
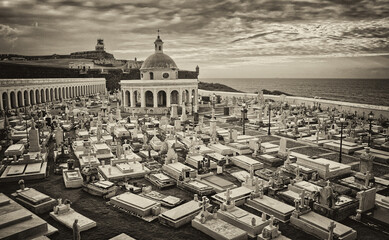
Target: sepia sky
246	38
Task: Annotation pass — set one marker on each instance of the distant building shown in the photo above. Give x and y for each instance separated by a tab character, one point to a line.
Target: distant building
160	85
81	65
98	53
100	45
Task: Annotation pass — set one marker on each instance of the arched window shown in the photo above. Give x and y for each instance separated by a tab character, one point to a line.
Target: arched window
159	48
151	75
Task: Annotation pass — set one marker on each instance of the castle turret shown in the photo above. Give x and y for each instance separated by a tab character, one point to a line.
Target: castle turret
100	45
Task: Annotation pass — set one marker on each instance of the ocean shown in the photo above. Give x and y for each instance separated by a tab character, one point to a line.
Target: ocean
368	91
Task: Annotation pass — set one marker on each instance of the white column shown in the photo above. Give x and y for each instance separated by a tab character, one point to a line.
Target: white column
125	98
9	100
155	98
1	101
168	95
142	98
196	100
180	96
28	97
43	96
132	96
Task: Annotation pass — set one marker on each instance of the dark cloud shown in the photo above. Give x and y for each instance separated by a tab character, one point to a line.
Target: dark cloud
254	36
210	31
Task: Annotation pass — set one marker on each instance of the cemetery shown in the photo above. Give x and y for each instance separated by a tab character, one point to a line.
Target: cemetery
300	172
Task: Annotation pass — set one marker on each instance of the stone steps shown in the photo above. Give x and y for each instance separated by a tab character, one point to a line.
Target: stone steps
17	222
16	217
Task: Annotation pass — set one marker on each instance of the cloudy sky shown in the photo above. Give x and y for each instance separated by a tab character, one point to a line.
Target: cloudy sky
246	38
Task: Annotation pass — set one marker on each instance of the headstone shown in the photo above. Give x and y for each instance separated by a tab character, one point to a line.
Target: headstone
234	135
177	125
171	156
283	150
183	113
34	139
366	161
259	115
163	121
58	135
118	115
213	130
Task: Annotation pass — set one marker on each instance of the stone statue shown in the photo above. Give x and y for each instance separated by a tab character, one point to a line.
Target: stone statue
331	230
327	196
76	230
21	184
366	161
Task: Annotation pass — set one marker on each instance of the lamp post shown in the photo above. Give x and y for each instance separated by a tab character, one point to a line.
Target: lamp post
342	120
244	111
268	130
370	118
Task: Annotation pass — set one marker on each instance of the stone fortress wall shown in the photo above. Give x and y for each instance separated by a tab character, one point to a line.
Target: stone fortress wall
361	109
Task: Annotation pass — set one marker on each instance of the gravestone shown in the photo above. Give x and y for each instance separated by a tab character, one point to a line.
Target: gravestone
118	113
183	114
282	151
34	139
58	135
366	161
234	135
177	125
173	112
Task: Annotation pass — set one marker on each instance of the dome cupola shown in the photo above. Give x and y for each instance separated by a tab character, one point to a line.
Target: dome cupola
159	65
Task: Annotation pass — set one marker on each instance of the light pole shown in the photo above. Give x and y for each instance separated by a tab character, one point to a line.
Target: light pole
370	117
244	111
342	120
268	130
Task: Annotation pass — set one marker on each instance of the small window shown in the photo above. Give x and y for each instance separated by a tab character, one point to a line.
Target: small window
159	48
151	75
165	75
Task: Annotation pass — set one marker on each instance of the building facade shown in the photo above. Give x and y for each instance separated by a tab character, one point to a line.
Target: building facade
160	86
17	93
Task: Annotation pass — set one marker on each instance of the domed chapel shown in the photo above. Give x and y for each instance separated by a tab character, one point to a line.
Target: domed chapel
161	85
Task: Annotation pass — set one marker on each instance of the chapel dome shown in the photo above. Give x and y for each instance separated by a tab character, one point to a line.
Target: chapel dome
159	60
